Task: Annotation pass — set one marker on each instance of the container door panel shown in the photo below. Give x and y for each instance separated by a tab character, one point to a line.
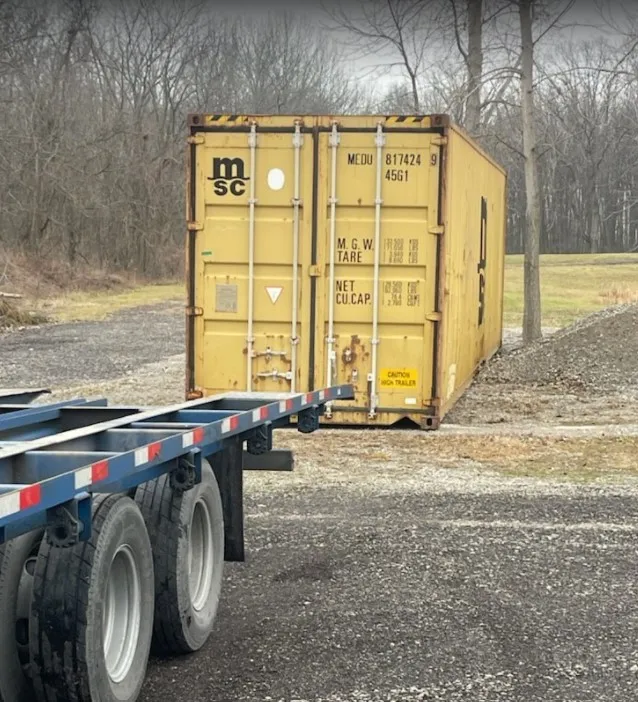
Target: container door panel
407	266
244	348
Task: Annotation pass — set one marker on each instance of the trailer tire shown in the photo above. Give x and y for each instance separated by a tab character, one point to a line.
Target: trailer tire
17	561
92	610
187	533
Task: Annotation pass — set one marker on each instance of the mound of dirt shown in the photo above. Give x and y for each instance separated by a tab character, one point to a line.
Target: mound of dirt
599	354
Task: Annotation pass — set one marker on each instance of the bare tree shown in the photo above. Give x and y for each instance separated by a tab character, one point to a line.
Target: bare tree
533	214
94	93
399	34
472	54
287	66
93	100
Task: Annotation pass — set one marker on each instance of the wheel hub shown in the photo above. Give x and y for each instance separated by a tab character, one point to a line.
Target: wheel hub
200	556
121	616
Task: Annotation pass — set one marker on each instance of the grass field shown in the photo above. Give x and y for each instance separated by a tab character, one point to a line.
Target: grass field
572	286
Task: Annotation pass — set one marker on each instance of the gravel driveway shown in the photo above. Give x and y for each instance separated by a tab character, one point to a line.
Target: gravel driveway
380	571
85	352
362	595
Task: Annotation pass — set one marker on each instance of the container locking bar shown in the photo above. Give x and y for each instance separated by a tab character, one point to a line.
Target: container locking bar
379	141
332	200
252	201
297	141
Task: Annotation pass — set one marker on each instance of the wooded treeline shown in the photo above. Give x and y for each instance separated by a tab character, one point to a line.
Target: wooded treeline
93	101
586	118
94	94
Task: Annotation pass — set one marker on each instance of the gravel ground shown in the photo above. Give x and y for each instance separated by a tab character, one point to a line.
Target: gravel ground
585	374
63	355
598	354
492	561
359	594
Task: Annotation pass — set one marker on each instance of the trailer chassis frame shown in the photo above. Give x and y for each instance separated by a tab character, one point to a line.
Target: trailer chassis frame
55	457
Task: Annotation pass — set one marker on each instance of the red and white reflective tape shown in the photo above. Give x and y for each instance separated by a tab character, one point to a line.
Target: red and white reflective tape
20	500
286	405
146	454
260	414
91	474
230	424
190	438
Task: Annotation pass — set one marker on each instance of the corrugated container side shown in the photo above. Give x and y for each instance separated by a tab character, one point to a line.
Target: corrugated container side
473	265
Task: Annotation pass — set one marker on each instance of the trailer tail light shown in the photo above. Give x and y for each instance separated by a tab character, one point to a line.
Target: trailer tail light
30	497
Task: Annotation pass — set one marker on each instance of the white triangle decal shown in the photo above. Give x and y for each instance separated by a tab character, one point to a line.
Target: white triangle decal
273	294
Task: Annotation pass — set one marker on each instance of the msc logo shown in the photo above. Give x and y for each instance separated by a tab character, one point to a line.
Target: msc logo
228	176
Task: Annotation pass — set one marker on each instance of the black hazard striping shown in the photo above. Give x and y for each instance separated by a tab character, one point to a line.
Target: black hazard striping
224	119
404	119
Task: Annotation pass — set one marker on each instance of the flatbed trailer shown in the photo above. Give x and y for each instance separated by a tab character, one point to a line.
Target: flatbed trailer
115	522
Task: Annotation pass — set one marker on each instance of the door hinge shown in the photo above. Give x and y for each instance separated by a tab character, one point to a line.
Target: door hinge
433	317
195	140
439	230
194	311
439	141
314	271
194	226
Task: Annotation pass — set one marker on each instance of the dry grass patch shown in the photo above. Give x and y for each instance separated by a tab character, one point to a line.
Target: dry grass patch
572	286
619	294
13	314
73	293
352	455
563	458
97	306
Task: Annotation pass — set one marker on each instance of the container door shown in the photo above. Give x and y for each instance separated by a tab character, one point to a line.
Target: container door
252	203
380	235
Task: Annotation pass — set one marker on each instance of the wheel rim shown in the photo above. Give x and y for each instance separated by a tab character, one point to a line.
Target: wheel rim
121	616
200	556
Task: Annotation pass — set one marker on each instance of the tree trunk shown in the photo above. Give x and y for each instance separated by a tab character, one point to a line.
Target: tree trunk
595	225
474	65
532	287
416	103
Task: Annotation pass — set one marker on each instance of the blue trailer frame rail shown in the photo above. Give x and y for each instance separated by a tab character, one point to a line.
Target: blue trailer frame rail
54	457
19	416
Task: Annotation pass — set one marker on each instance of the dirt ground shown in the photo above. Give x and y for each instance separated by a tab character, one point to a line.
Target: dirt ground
493	560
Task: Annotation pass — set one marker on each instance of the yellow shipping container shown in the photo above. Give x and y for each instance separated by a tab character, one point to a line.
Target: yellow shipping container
345	249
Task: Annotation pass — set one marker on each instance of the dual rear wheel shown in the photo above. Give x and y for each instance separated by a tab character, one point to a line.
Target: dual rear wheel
78	623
